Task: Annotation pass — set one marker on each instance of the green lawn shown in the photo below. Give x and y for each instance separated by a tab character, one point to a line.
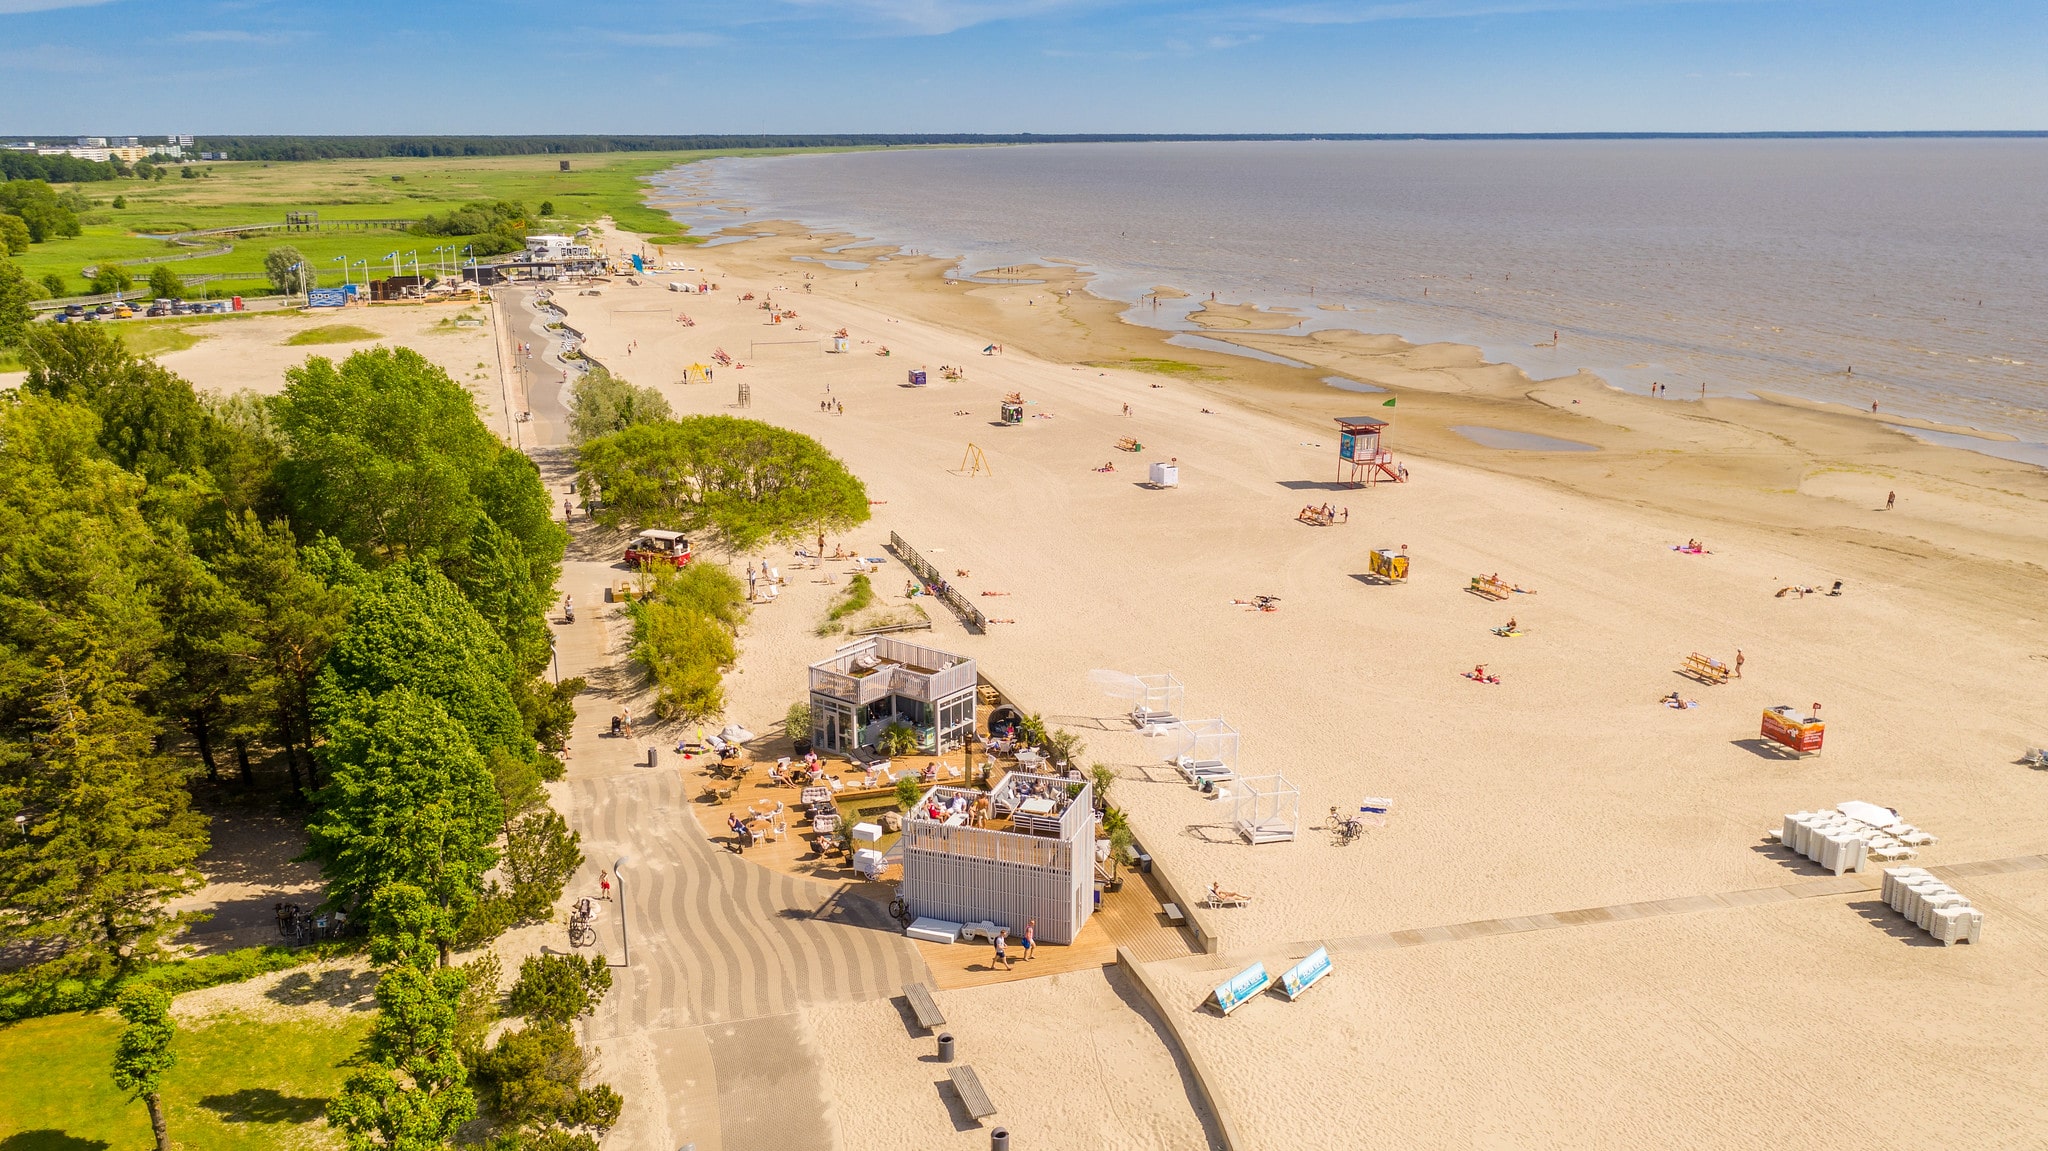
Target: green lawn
604	184
238	1085
332	334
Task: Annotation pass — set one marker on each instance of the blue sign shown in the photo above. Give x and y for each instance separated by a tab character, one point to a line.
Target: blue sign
1303	975
1347	446
327	298
1245	984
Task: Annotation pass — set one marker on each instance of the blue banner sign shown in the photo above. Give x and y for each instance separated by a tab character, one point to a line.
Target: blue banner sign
1242	986
327	298
1347	446
1303	975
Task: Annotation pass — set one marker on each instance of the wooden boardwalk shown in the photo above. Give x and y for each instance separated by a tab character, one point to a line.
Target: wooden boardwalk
1849	884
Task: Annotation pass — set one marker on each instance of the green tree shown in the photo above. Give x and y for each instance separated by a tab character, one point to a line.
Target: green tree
54	284
109	835
144	1053
559	988
110	278
601	403
121	202
47	215
743	480
299	602
683	634
76	562
165	284
285	267
408	800
410	627
16	290
533	1079
541	853
14	238
386	454
412	1092
547	207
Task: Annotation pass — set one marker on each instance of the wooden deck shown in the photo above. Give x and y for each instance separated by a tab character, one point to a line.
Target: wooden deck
1128	918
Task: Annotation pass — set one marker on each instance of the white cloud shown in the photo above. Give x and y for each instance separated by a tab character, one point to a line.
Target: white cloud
10	7
1373	11
937	17
235	36
662	39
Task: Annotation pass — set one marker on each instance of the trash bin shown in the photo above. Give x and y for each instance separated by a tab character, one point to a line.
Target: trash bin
945	1047
1145	862
653	756
999	1139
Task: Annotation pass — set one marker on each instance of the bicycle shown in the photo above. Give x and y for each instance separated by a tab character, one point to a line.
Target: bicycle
899	909
1345	827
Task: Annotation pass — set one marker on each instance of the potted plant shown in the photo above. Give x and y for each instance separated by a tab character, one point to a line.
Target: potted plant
796	722
898	738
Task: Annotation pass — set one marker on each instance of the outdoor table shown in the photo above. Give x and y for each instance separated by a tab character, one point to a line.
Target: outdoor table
1036	807
1030	757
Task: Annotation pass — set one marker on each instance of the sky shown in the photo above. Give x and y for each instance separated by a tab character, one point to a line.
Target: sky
99	67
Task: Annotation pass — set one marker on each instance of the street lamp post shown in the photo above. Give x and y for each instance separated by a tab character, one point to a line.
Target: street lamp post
619	875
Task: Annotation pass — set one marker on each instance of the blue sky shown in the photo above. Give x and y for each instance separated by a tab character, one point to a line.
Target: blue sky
378	66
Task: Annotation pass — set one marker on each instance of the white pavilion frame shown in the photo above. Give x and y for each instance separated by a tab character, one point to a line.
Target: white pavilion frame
1266	808
1206	741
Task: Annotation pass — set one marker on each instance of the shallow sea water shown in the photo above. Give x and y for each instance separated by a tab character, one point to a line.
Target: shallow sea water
1909	272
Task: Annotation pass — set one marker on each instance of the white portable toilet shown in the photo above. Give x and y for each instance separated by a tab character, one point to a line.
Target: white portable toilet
1165	475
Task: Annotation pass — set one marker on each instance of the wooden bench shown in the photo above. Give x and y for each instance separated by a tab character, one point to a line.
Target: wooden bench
1174	915
968	1084
1706	670
924	1006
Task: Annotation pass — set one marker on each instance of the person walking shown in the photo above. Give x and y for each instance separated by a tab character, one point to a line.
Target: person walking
1031	939
1890	498
1738	663
1002	950
627	719
604	884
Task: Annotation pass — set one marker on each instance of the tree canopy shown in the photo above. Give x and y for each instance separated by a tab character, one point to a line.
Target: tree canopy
742	480
408	800
386	454
601	403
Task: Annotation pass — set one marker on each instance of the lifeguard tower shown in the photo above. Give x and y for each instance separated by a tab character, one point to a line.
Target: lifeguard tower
1359	452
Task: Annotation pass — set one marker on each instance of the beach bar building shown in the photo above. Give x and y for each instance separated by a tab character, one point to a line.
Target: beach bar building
869	684
1033	857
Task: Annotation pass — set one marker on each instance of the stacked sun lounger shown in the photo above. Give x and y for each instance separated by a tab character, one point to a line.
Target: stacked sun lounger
1933	906
1843	840
1147	720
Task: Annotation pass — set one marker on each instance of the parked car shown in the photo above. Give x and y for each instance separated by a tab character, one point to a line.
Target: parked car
655	546
123	312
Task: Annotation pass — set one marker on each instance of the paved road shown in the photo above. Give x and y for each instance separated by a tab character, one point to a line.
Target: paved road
704	1031
540	374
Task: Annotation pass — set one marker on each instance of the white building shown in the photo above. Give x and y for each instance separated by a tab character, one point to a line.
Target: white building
552	247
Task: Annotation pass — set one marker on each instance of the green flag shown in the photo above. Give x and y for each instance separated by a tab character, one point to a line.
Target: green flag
1388	404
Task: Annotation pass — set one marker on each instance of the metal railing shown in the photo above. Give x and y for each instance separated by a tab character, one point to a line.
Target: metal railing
941	590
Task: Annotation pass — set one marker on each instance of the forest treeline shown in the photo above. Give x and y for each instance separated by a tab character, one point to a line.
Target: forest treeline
348	578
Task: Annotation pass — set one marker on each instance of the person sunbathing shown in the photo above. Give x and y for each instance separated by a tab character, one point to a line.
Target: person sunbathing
1217	895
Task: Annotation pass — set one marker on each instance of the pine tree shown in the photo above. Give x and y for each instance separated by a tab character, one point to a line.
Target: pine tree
110	834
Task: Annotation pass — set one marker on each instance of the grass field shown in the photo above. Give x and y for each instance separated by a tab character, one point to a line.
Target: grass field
332	334
239	1085
604	184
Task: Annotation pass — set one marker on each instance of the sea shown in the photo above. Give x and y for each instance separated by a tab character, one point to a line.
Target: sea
1910	273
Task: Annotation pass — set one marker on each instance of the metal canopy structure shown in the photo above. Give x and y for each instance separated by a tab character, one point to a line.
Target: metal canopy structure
1266	809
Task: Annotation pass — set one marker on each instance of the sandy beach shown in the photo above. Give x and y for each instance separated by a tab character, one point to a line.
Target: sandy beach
1563	788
